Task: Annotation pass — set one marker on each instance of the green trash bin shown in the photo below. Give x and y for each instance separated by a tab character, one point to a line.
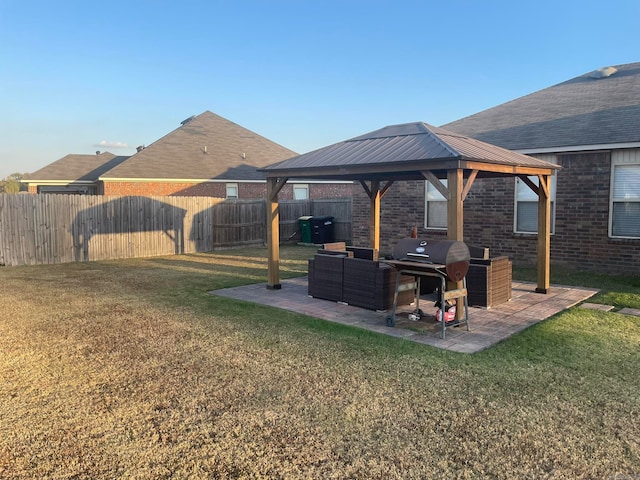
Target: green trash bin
305	228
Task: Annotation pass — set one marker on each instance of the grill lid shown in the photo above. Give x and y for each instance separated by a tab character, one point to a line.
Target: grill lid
454	255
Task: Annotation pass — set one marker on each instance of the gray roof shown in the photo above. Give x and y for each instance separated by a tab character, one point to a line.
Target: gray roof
404	150
583	111
76	167
204	147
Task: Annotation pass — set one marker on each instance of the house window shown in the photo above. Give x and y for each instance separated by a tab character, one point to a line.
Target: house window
435	212
300	191
68	189
232	190
526	220
624	218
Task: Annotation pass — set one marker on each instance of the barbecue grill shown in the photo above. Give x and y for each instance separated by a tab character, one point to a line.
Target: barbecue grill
453	255
446	260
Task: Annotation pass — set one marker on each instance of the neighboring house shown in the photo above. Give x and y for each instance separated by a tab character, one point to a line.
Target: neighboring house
73	174
209	156
590	126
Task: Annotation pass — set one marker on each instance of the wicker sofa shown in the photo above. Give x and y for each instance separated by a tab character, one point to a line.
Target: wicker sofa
344	276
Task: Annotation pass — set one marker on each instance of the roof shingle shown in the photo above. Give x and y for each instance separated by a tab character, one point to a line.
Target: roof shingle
204	147
77	167
579	112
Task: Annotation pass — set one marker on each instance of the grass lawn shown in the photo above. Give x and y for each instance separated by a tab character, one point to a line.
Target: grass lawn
129	369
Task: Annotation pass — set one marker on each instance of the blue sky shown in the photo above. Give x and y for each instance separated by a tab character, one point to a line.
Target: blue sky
81	76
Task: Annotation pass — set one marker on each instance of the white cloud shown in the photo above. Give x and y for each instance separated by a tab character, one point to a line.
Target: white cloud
106	144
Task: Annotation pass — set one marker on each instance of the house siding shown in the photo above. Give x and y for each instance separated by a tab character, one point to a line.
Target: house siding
580	242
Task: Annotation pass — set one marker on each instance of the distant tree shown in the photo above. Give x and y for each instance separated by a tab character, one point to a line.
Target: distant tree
11	184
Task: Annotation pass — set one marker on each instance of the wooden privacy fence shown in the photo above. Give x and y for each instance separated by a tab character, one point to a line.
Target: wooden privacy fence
292	210
40	229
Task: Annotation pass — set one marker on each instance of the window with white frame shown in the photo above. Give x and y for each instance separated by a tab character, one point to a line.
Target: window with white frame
232	190
300	191
624	212
526	220
435	212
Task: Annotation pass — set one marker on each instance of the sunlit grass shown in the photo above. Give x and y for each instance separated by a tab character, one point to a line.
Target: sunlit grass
618	290
130	369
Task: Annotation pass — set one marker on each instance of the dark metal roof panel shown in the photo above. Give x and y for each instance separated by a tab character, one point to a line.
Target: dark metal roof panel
394	146
402	147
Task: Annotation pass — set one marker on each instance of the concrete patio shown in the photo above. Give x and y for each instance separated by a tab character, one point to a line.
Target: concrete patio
487	326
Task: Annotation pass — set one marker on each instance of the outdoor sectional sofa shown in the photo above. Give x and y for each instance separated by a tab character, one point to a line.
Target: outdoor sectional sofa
354	276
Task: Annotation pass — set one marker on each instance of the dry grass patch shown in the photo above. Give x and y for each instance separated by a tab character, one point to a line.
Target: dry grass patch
131	370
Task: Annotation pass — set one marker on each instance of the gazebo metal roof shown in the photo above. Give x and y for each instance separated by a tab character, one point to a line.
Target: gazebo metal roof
402	152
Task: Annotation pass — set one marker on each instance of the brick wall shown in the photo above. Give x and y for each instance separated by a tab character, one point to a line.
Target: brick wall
145	189
402	208
219	189
580	241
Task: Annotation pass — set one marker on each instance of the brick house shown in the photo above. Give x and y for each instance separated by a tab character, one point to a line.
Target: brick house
590	126
73	174
207	155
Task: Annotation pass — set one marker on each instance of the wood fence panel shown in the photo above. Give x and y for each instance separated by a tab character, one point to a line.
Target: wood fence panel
239	222
63	210
39	229
290	212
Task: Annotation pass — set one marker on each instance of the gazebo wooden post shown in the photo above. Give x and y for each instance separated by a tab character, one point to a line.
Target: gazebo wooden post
544	233
375	197
273	232
455	229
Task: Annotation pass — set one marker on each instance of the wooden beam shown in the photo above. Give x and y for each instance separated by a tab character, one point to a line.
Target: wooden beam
374	234
529	183
383	190
273	233
435	181
278	184
367	190
506	169
386	187
455	222
544	233
455	206
385	170
545	185
467	187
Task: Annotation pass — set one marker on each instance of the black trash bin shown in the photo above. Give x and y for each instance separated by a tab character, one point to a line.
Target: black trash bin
321	230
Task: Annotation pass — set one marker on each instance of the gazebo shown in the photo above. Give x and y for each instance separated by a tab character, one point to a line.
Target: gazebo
413	151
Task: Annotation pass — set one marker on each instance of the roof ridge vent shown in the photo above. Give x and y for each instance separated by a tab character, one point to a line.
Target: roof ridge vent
187	120
603	72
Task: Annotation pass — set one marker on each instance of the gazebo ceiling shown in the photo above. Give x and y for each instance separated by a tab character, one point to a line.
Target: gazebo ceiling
403	152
